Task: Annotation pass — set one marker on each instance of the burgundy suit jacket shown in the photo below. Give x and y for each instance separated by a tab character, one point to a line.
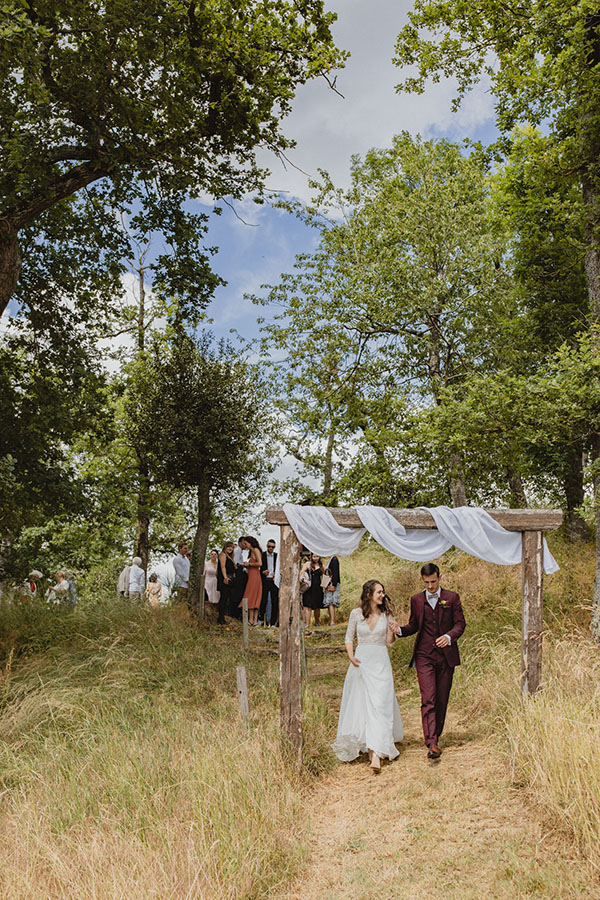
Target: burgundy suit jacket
452	622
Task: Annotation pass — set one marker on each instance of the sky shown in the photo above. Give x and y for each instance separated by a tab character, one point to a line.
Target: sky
328	130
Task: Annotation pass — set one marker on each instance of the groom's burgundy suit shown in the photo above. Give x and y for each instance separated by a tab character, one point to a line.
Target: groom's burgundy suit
435	666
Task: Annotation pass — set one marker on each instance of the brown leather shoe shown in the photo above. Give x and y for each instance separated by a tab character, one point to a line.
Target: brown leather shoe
434	752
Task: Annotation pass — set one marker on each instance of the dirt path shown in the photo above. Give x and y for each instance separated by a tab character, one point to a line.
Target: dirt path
455	829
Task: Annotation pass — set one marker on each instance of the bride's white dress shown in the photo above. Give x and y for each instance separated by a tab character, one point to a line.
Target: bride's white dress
369	715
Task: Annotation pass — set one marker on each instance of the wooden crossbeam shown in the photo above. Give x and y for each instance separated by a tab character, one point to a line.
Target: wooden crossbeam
511	519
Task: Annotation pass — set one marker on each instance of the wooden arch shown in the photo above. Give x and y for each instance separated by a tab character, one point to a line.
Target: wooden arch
532	523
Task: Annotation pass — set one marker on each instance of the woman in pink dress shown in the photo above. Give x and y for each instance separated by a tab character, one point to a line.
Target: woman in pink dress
253	589
210	577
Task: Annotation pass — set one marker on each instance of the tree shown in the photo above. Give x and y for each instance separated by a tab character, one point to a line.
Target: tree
215	428
147	101
51	392
408	280
543	215
542	60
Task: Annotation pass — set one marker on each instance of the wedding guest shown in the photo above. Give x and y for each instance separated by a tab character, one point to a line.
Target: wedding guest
311	575
61	591
181	564
154	590
269	607
31	587
253	588
370	717
123	582
210	577
332	595
226	575
137	580
241	576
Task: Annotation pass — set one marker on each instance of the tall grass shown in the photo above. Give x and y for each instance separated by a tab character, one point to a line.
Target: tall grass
125	770
551	740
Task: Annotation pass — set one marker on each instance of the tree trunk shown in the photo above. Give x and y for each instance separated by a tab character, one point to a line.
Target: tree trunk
10	264
592	275
142	540
456	480
328	475
575	526
518	500
199	546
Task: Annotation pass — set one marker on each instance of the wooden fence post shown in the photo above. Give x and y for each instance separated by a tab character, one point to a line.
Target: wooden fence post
242	688
290	681
533	609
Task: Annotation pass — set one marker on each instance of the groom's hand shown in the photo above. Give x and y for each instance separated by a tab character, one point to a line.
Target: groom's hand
443	641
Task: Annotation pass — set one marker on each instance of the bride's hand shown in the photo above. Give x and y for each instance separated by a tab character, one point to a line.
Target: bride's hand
355	661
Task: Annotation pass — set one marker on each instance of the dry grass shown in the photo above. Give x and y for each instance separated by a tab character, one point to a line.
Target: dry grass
126	772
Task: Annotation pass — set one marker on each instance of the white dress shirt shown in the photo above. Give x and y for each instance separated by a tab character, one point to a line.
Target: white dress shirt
137	580
238	555
181	564
270	565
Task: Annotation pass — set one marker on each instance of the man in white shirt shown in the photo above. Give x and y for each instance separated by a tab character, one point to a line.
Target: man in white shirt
269	607
137	580
181	564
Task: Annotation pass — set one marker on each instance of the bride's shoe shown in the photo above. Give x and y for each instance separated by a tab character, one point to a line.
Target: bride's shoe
375	763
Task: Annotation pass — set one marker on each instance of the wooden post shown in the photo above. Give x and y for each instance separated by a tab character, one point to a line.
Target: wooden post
242	688
303	664
533	584
245	622
289	640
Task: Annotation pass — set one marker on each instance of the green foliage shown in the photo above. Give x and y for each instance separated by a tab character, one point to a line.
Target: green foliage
401	299
213	426
540	59
148	102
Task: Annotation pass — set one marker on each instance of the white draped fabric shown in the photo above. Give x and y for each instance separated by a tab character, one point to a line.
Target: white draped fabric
470	529
316	528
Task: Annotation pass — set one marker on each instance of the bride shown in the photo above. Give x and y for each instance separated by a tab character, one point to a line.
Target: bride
369	716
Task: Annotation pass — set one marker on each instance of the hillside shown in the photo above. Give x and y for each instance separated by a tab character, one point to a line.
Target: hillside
125	770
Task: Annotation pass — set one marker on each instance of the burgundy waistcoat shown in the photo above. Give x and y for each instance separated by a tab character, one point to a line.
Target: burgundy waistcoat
430	630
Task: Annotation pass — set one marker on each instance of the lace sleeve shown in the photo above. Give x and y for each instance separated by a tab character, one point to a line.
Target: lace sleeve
351	629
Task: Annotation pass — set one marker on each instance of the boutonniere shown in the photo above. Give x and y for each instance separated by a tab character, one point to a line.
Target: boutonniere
444	602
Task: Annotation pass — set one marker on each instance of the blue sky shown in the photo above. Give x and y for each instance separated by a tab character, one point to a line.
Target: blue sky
328	130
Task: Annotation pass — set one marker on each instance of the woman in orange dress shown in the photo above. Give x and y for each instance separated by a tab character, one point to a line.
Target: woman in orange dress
253	589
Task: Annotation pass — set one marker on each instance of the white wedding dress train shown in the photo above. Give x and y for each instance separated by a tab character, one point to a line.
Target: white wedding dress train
369	715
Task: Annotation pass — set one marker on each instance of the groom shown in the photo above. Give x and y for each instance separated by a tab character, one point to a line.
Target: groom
436	617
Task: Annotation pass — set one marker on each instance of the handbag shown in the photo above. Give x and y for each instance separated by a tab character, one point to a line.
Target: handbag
305	582
325	580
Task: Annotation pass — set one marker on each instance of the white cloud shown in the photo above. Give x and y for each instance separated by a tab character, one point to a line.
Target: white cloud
329	129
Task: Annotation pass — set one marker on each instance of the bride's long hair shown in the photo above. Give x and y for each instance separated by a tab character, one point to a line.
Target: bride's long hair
365	599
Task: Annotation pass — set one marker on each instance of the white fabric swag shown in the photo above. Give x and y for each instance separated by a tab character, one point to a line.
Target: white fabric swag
468	528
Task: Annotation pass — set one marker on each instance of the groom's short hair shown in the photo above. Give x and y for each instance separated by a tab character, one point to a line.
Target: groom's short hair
430	569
